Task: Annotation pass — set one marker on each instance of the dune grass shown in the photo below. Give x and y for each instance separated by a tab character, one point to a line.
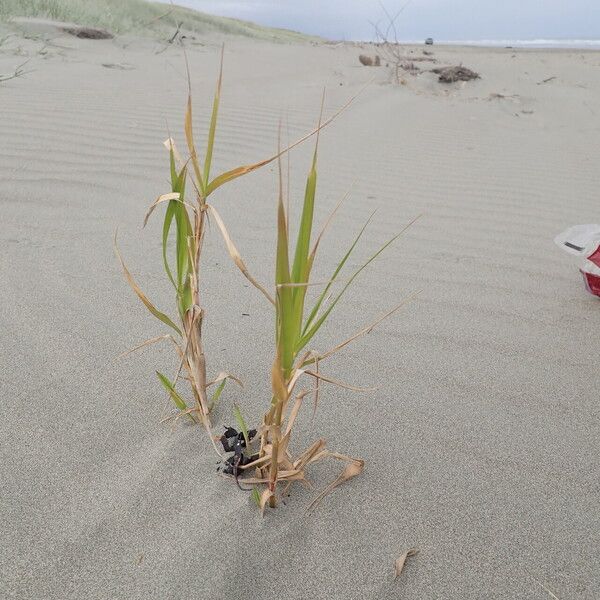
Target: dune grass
296	327
185	223
184	229
140	17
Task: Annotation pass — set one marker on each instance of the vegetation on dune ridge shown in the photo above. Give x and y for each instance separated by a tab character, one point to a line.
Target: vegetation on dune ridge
139	16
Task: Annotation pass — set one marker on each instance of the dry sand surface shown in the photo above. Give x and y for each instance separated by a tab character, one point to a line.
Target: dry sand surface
481	443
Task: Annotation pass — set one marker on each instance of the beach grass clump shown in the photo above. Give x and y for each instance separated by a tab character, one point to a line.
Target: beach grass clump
186	216
296	326
185	222
183	233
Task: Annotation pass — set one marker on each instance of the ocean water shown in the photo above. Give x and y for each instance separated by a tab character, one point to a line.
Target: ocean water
538	43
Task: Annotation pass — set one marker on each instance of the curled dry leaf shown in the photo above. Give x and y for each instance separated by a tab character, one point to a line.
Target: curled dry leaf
169	144
166	198
264	499
223	375
399	562
354	467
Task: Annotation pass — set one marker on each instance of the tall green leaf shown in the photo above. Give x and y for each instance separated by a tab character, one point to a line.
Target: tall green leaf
213	122
323	295
177	399
284	299
314	328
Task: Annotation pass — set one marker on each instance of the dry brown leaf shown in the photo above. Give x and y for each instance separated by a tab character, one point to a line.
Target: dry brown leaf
294	412
256	463
165	198
317	390
224	375
399	562
281	475
169	144
308	455
235	255
159	338
136	288
366	330
354	468
264	499
341	383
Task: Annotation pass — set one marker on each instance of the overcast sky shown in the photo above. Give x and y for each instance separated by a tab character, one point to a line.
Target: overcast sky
441	19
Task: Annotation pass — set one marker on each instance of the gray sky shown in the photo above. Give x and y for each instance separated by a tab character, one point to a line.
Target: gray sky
441	19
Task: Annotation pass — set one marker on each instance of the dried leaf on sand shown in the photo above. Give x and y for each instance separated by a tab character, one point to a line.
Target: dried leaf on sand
399	562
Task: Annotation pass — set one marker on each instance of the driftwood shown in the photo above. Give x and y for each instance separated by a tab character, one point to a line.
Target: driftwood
369	61
452	74
89	33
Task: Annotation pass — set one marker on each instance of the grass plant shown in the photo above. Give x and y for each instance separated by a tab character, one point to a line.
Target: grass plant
182	261
184	228
185	221
296	326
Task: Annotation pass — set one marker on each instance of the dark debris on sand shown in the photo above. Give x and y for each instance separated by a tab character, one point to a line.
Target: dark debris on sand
452	74
234	441
89	33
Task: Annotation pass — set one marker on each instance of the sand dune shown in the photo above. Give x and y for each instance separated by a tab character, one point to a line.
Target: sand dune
481	443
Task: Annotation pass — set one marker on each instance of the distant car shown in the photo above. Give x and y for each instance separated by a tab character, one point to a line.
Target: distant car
429	42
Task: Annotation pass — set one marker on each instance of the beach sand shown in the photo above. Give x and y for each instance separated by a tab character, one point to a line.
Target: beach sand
481	439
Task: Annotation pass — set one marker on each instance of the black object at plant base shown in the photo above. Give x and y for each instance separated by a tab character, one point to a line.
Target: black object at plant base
234	441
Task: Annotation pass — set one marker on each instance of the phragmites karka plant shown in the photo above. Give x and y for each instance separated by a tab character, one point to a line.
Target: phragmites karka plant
274	463
184	227
188	220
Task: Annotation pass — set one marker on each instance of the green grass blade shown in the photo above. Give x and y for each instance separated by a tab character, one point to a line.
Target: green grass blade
302	262
184	230
285	300
282	264
313	314
177	399
255	495
241	424
304	232
299	269
183	233
174	176
217	394
178	186
213	122
169	214
313	330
